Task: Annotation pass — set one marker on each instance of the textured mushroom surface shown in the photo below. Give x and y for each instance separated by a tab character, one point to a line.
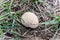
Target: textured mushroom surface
29	19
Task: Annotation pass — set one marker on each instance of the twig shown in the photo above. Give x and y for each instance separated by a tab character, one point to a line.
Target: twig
26	36
55	34
35	35
47	29
26	32
38	7
11	4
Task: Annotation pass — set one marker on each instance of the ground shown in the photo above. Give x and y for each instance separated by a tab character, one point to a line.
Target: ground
47	11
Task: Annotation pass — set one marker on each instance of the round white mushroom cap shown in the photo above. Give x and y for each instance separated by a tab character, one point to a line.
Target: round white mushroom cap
29	19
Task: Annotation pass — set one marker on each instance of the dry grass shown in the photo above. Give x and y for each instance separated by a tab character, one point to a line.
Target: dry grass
46	10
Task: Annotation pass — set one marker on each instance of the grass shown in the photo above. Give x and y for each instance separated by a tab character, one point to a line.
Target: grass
8	17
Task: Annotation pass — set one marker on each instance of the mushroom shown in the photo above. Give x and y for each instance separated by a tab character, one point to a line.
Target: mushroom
29	19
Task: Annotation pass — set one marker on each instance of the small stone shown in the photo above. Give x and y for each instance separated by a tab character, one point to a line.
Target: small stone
29	19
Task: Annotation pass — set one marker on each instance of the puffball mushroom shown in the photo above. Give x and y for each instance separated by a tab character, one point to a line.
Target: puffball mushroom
29	19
